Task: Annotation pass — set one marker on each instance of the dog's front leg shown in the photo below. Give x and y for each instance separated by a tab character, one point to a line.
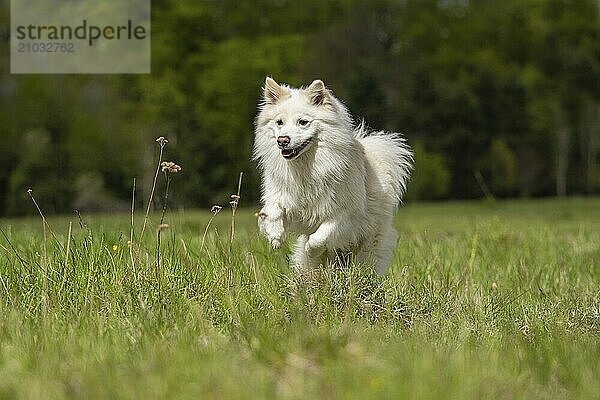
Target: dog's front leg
270	224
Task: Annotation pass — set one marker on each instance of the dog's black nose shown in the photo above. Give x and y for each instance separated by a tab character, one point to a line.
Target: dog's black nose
283	141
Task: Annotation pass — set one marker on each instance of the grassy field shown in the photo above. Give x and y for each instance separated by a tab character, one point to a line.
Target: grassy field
483	300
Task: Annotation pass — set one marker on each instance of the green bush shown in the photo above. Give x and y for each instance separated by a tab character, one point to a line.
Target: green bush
430	177
501	166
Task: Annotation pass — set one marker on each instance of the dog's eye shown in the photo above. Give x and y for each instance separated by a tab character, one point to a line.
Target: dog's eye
302	122
279	122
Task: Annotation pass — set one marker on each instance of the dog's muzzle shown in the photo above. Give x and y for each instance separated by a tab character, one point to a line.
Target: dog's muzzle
291	153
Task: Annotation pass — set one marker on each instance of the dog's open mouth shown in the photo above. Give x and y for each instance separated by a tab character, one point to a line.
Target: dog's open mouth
289	154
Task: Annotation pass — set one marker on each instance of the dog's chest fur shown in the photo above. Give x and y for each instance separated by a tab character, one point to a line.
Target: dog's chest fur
311	194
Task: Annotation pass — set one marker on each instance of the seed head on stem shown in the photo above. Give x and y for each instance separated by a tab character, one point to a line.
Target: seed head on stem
170	167
161	142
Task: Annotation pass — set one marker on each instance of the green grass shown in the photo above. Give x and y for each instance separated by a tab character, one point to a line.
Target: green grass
483	300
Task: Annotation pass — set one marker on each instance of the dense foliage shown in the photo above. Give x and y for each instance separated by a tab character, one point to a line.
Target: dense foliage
497	97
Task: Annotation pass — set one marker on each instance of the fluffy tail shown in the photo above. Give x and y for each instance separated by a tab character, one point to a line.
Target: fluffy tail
390	156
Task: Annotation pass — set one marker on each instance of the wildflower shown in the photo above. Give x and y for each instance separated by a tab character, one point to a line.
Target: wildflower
29	191
161	140
162	227
129	243
215	209
236	199
169	166
115	247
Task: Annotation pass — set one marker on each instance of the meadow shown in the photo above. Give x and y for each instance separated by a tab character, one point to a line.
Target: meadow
495	299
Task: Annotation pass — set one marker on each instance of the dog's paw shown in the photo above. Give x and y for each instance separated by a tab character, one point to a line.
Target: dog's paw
272	229
276	239
276	243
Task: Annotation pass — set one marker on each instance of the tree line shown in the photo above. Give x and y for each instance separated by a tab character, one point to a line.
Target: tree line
497	98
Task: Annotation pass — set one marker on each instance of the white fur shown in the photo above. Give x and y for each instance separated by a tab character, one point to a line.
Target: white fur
339	194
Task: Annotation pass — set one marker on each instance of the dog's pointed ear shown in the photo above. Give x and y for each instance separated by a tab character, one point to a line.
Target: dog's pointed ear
318	93
272	91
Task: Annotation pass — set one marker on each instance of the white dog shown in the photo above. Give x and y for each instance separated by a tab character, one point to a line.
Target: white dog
333	183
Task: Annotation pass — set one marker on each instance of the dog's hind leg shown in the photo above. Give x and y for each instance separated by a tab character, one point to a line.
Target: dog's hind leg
384	250
299	261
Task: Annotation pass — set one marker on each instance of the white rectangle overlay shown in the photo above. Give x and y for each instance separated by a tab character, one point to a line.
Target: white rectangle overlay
80	37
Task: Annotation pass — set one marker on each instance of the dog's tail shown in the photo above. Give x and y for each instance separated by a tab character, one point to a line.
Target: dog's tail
390	156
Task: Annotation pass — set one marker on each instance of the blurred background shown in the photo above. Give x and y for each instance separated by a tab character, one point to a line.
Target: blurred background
497	98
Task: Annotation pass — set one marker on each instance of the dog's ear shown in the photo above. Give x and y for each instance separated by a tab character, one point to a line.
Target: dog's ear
272	91
317	93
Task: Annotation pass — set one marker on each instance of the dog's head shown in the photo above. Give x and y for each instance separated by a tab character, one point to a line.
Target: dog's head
293	119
